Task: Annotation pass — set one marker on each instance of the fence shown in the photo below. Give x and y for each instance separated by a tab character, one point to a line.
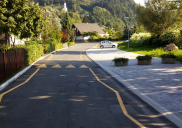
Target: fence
11	62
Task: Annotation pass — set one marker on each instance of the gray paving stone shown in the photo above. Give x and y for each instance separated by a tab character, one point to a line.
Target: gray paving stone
160	82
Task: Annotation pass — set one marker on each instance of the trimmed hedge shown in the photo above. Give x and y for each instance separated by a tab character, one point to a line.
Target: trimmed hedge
33	52
50	45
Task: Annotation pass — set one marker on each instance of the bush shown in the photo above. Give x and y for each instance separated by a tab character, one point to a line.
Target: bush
158	41
71	44
33	52
169	55
119	59
57	45
48	46
4	47
146	57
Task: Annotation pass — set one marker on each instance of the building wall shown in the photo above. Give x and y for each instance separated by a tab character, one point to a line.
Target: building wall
17	40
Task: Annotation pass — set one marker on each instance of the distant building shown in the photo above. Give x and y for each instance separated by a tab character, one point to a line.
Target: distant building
87	27
65	8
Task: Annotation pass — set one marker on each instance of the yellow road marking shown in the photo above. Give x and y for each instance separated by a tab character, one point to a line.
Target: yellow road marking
120	102
1	96
50	57
70	66
56	66
42	66
81	55
83	66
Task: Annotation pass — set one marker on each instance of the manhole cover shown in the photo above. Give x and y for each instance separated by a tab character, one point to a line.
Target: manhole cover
83	84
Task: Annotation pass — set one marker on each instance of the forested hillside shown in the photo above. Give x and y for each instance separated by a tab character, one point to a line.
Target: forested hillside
110	13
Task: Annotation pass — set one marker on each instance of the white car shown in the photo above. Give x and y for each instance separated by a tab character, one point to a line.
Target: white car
104	44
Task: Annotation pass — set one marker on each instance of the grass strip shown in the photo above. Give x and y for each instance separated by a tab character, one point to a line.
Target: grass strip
147	50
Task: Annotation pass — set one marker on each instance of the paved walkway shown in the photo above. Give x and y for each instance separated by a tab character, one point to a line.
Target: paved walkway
160	85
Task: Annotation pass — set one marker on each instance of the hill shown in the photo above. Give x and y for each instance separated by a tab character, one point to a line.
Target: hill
104	12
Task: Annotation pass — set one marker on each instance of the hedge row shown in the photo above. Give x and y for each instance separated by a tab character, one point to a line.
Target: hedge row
33	52
157	41
71	44
50	46
35	49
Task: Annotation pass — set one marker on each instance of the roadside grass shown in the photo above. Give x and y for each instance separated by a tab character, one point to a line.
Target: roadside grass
11	76
146	50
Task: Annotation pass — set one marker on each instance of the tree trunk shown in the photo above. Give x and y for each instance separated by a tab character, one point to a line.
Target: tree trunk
7	39
13	41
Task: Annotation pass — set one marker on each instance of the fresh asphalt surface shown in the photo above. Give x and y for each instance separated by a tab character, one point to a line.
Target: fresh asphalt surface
70	96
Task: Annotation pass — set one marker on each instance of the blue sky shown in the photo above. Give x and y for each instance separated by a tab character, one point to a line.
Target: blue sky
140	1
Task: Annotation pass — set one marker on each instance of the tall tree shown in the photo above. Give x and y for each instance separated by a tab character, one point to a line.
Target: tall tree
20	19
66	23
67	27
54	20
159	15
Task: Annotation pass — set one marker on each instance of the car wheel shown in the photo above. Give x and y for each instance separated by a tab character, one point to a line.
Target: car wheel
101	46
113	46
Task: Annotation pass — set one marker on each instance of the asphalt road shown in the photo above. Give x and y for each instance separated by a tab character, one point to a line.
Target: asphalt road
68	90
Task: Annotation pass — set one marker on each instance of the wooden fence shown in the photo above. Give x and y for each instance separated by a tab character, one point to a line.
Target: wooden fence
11	62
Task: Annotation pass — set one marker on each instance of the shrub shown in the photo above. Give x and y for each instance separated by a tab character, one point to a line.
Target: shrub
71	44
55	36
33	52
4	47
169	55
48	46
119	59
64	37
146	57
57	45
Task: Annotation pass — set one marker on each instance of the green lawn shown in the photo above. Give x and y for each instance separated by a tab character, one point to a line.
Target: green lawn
156	52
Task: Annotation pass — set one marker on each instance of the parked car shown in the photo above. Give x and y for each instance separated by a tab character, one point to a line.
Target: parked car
104	44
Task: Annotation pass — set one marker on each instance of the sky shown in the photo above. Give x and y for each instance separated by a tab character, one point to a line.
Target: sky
141	2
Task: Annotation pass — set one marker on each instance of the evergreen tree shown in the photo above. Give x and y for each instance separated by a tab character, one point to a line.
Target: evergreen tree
67	27
66	23
85	19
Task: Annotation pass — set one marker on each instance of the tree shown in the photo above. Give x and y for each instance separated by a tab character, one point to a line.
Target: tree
20	19
66	22
119	34
54	20
91	34
67	27
117	27
159	15
85	19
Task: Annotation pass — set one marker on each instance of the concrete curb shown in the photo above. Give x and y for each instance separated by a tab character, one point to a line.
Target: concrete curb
169	115
5	84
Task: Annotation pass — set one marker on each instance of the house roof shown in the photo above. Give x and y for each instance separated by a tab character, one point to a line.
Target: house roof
87	27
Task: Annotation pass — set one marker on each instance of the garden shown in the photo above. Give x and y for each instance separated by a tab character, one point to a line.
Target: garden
146	44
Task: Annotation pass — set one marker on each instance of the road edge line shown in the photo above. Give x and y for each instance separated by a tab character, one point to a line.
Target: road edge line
166	113
119	100
5	84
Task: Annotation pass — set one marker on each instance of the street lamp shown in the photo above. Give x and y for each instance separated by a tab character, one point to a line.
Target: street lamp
128	30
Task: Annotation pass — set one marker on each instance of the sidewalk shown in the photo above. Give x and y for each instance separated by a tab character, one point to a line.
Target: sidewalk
160	85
